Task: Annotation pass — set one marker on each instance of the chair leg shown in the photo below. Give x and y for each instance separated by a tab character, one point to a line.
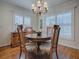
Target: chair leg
51	52
26	53
20	53
57	54
26	56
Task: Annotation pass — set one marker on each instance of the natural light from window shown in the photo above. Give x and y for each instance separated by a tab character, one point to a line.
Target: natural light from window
22	20
65	22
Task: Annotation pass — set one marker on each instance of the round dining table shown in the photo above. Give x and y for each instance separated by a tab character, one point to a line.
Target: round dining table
34	38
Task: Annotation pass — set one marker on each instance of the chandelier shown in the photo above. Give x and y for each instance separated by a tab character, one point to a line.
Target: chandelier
40	7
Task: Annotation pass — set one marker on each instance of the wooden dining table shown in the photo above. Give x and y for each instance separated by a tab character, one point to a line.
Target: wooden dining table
37	39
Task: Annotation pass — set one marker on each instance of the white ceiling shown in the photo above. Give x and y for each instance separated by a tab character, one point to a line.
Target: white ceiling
27	3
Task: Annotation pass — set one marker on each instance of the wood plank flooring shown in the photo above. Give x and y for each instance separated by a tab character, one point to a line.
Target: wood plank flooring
64	53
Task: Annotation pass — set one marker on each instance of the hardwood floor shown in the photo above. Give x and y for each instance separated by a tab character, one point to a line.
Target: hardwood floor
64	53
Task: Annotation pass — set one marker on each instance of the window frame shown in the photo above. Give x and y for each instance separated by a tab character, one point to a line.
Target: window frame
72	25
15	26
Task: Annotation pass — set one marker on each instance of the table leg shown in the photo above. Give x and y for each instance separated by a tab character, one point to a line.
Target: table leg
38	47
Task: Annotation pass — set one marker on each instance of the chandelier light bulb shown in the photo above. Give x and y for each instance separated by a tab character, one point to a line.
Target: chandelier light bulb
38	3
33	6
45	4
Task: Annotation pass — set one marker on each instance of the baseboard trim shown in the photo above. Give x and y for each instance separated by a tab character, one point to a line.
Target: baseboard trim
69	46
6	46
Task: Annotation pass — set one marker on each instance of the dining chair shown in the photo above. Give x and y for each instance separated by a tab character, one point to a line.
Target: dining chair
51	46
24	46
54	41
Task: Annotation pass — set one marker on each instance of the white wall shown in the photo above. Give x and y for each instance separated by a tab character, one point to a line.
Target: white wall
6	21
64	7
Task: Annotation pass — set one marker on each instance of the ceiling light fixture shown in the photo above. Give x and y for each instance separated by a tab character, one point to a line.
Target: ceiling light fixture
40	7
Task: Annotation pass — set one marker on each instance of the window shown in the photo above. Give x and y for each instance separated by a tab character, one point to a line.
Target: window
21	20
18	20
27	21
50	21
65	22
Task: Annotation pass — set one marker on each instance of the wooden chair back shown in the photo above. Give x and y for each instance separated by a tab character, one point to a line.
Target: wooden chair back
55	37
21	36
